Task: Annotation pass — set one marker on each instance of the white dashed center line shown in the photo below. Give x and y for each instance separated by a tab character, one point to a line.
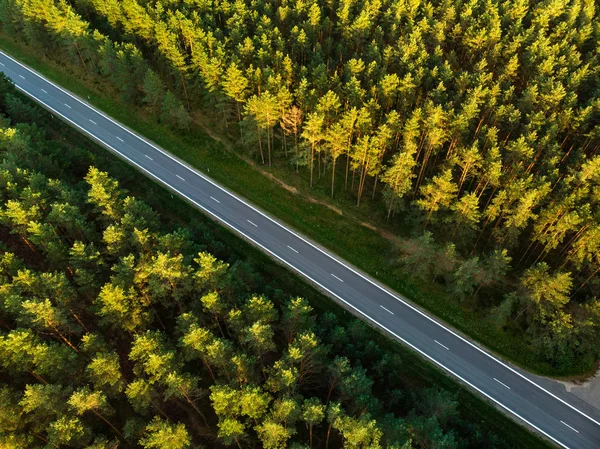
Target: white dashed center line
44	91
2	64
387	310
67	106
292	249
148	157
214	199
252	223
120	140
336	277
92	121
22	76
572	428
445	347
503	384
180	177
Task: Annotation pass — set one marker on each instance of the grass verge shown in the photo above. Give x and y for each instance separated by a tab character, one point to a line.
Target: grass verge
330	229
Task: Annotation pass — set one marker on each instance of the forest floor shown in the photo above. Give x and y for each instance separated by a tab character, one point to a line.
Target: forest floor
335	224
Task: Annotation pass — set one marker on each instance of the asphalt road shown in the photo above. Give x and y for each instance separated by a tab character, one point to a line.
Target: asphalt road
515	392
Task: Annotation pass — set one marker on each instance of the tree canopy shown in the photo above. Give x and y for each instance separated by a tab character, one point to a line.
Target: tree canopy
474	116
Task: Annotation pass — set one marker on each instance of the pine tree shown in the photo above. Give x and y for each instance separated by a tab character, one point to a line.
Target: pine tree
161	434
235	86
154	92
398	180
173	112
439	193
313	413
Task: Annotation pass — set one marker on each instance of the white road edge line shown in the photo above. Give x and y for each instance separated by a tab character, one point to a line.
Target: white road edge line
445	347
44	91
148	157
387	310
92	121
180	177
68	106
292	249
336	277
295	269
253	224
501	383
572	428
214	199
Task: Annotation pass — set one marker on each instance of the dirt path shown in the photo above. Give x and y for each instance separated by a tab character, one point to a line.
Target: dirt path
228	144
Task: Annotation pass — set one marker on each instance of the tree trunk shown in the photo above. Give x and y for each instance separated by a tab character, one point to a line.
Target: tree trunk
375	185
347	169
463	177
586	281
209	369
312	159
427	220
296	149
546	228
79	321
187	100
197	409
262	156
328	433
319	163
333	175
119	434
391	207
361	183
38	377
269	144
81	57
66	341
422	170
40	437
569	244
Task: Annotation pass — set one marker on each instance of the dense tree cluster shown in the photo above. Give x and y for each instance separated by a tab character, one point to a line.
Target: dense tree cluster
478	120
117	330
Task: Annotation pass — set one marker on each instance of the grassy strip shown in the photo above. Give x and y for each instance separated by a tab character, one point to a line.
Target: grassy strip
175	211
359	245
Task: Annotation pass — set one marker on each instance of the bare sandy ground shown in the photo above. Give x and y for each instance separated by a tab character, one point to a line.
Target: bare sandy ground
588	390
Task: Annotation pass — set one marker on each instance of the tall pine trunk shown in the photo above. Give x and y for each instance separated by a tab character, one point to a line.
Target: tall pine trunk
262	156
269	145
333	175
312	163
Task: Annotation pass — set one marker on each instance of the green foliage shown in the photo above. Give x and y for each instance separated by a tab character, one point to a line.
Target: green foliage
104	372
173	112
160	434
128	331
487	126
153	91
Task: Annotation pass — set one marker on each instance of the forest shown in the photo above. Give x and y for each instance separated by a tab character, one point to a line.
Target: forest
120	328
472	124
